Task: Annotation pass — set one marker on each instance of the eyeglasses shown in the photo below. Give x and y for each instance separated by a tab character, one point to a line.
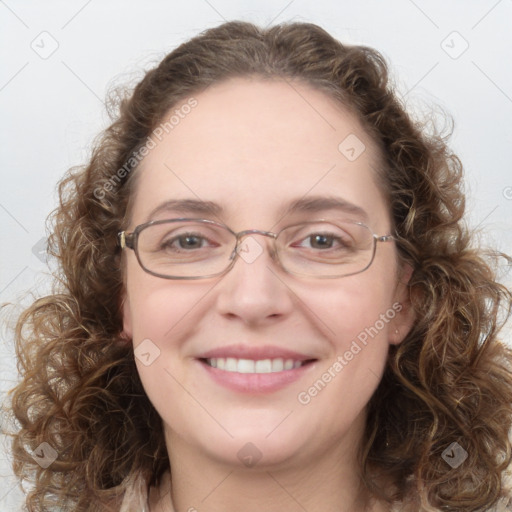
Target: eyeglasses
199	248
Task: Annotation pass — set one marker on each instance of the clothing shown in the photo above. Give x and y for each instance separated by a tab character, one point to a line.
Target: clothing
136	498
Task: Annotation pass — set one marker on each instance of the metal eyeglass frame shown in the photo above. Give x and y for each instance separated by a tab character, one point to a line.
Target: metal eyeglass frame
130	241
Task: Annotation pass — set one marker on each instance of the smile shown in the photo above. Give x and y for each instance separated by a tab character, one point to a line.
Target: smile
231	364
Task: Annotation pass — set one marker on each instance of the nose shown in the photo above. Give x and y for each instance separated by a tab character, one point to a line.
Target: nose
255	289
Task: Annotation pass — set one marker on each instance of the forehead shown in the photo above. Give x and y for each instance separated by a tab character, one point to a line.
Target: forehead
253	146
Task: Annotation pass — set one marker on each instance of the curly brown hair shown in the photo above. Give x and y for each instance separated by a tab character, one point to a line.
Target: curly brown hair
449	381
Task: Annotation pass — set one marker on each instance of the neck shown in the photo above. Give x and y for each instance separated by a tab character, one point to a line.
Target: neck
327	482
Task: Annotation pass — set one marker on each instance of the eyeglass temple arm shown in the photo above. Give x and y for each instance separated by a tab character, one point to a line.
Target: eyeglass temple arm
385	238
125	239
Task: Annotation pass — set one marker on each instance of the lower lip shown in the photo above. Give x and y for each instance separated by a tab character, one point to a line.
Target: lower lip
256	382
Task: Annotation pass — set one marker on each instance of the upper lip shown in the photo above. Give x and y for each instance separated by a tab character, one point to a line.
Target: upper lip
254	352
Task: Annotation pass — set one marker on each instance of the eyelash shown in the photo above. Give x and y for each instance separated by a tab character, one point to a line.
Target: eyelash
168	243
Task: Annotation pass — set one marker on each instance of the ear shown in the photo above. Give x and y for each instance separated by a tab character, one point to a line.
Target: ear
405	317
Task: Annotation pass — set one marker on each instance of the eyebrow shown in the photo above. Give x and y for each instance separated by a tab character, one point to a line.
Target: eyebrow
188	206
310	204
316	204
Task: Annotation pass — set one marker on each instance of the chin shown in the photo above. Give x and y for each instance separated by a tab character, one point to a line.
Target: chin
258	445
255	453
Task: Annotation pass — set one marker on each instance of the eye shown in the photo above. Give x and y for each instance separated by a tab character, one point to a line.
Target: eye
324	240
184	241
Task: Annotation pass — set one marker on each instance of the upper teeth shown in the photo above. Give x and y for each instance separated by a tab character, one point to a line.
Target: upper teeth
230	364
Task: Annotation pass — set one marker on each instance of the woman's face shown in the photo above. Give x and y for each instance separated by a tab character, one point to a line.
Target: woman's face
253	148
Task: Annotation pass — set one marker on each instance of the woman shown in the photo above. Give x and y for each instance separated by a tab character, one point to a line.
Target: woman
268	300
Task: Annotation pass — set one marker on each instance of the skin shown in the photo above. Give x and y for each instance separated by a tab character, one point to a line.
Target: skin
252	146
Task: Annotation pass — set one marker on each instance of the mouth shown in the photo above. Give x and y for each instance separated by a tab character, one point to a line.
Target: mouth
255	369
255	366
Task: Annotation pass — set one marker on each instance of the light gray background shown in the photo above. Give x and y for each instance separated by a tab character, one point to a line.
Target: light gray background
52	105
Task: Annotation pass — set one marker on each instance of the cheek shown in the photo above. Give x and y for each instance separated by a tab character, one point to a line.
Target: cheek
361	336
351	308
356	317
158	306
357	326
160	315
